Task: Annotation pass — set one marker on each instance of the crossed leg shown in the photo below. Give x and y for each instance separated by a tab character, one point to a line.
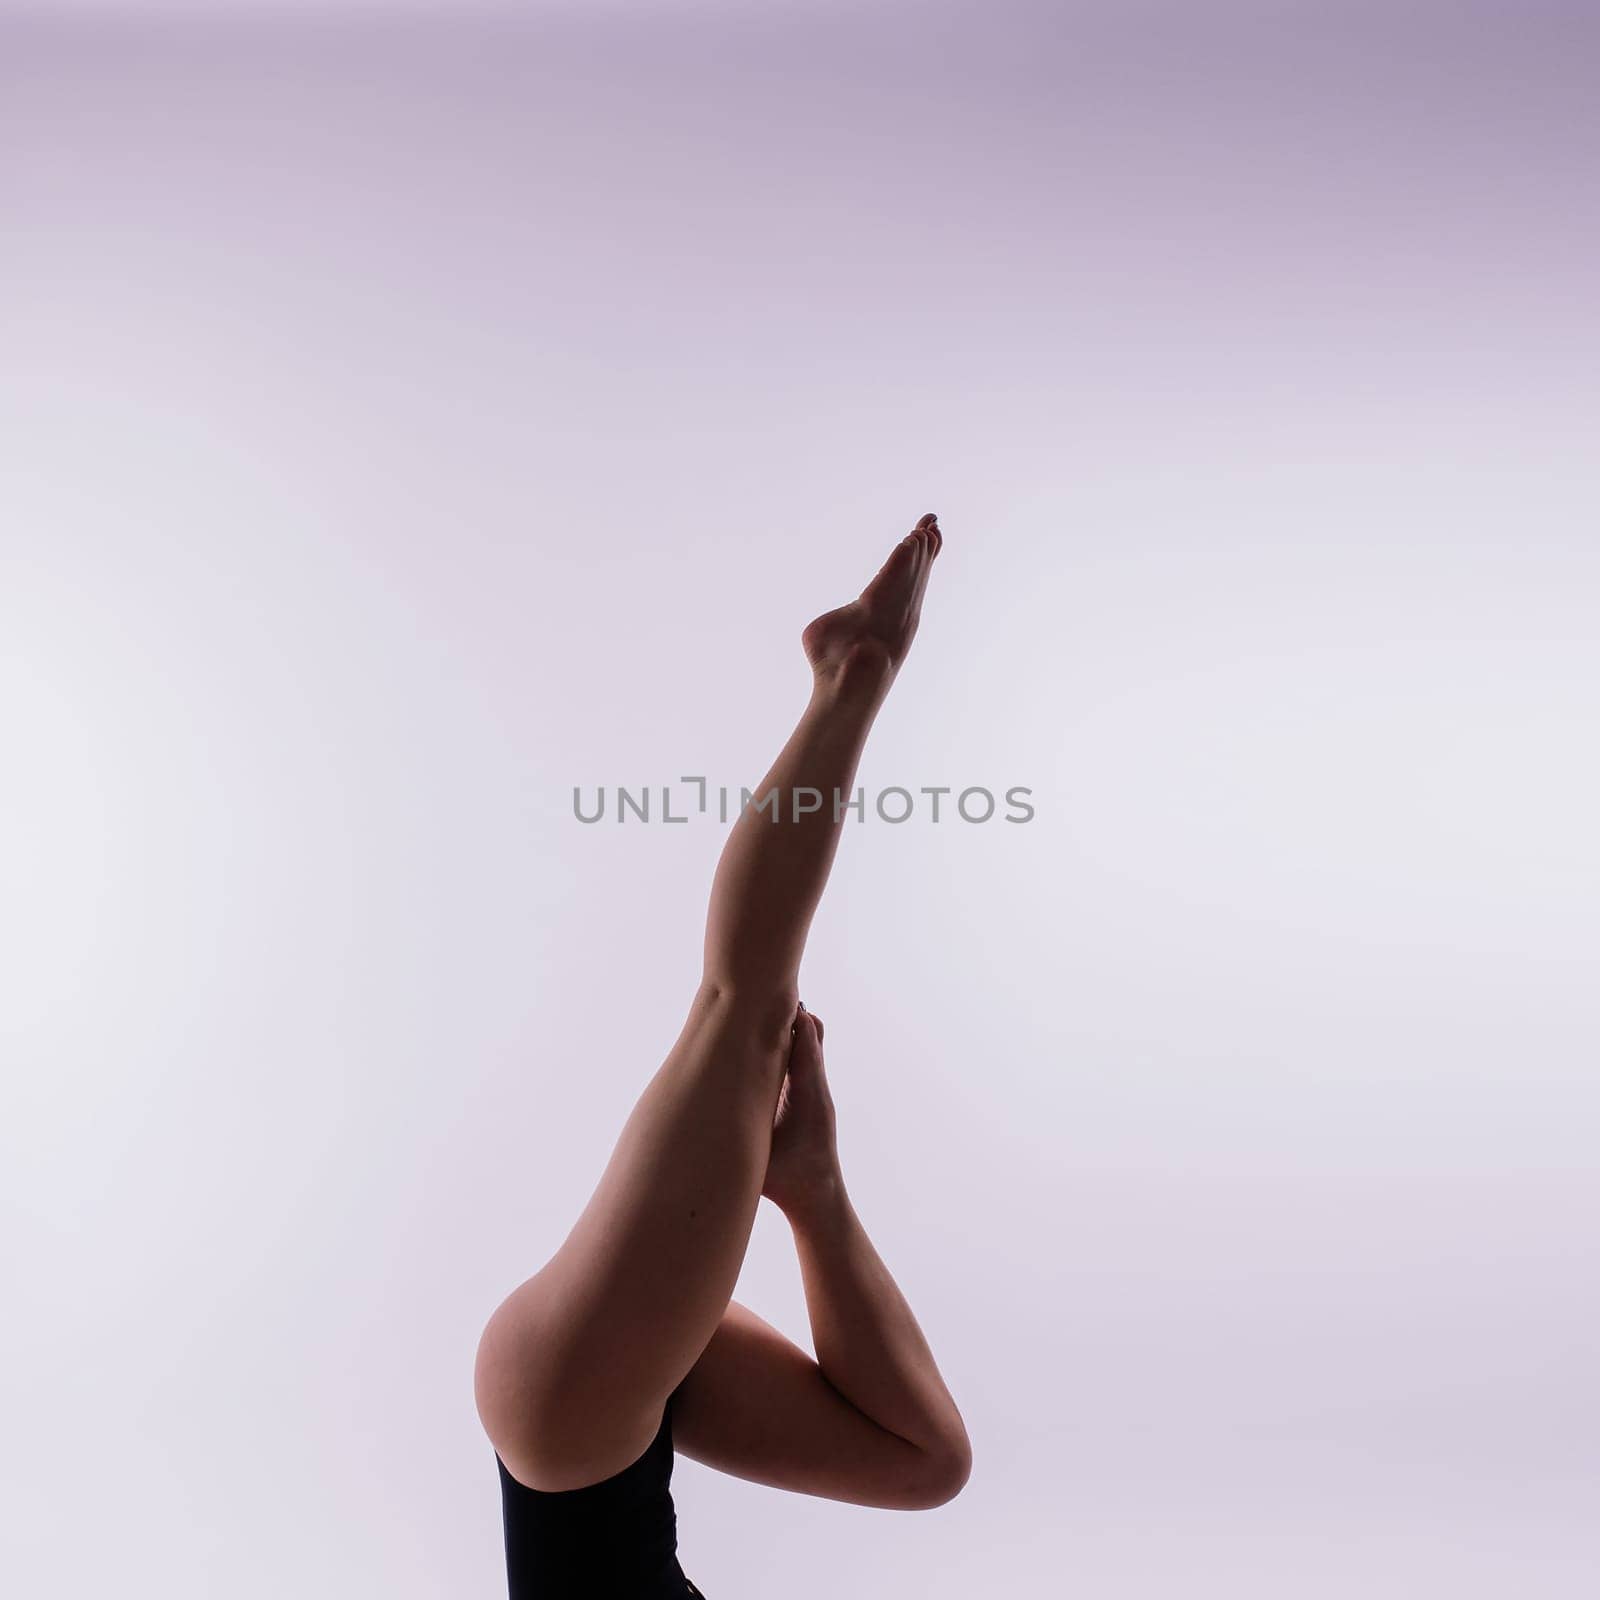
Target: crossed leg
575	1365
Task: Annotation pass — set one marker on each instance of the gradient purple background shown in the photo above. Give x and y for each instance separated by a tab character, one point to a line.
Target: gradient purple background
406	417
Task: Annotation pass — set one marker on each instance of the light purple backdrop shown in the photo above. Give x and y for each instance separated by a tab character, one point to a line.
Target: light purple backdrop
406	417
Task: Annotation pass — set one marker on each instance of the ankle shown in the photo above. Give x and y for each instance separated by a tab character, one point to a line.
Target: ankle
862	668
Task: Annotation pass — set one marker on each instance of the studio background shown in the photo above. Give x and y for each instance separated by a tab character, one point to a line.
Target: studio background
411	413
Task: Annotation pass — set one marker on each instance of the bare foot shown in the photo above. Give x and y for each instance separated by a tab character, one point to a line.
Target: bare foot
870	636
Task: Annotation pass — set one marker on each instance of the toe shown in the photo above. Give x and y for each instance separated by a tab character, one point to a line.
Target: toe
806	1045
901	564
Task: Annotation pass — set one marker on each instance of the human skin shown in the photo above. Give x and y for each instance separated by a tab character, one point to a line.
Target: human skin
575	1365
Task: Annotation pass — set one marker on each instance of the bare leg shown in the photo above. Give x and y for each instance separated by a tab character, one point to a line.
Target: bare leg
575	1365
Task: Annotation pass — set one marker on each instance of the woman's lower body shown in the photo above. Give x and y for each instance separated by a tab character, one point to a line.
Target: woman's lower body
576	1364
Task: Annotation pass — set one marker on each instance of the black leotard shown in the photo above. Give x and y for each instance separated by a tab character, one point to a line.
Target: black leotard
612	1540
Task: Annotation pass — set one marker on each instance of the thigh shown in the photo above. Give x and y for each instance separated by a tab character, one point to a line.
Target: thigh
575	1365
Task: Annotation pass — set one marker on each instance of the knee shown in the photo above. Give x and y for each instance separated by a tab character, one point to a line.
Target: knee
762	1016
947	1477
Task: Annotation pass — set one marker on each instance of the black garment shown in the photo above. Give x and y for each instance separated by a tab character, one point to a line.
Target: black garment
612	1540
